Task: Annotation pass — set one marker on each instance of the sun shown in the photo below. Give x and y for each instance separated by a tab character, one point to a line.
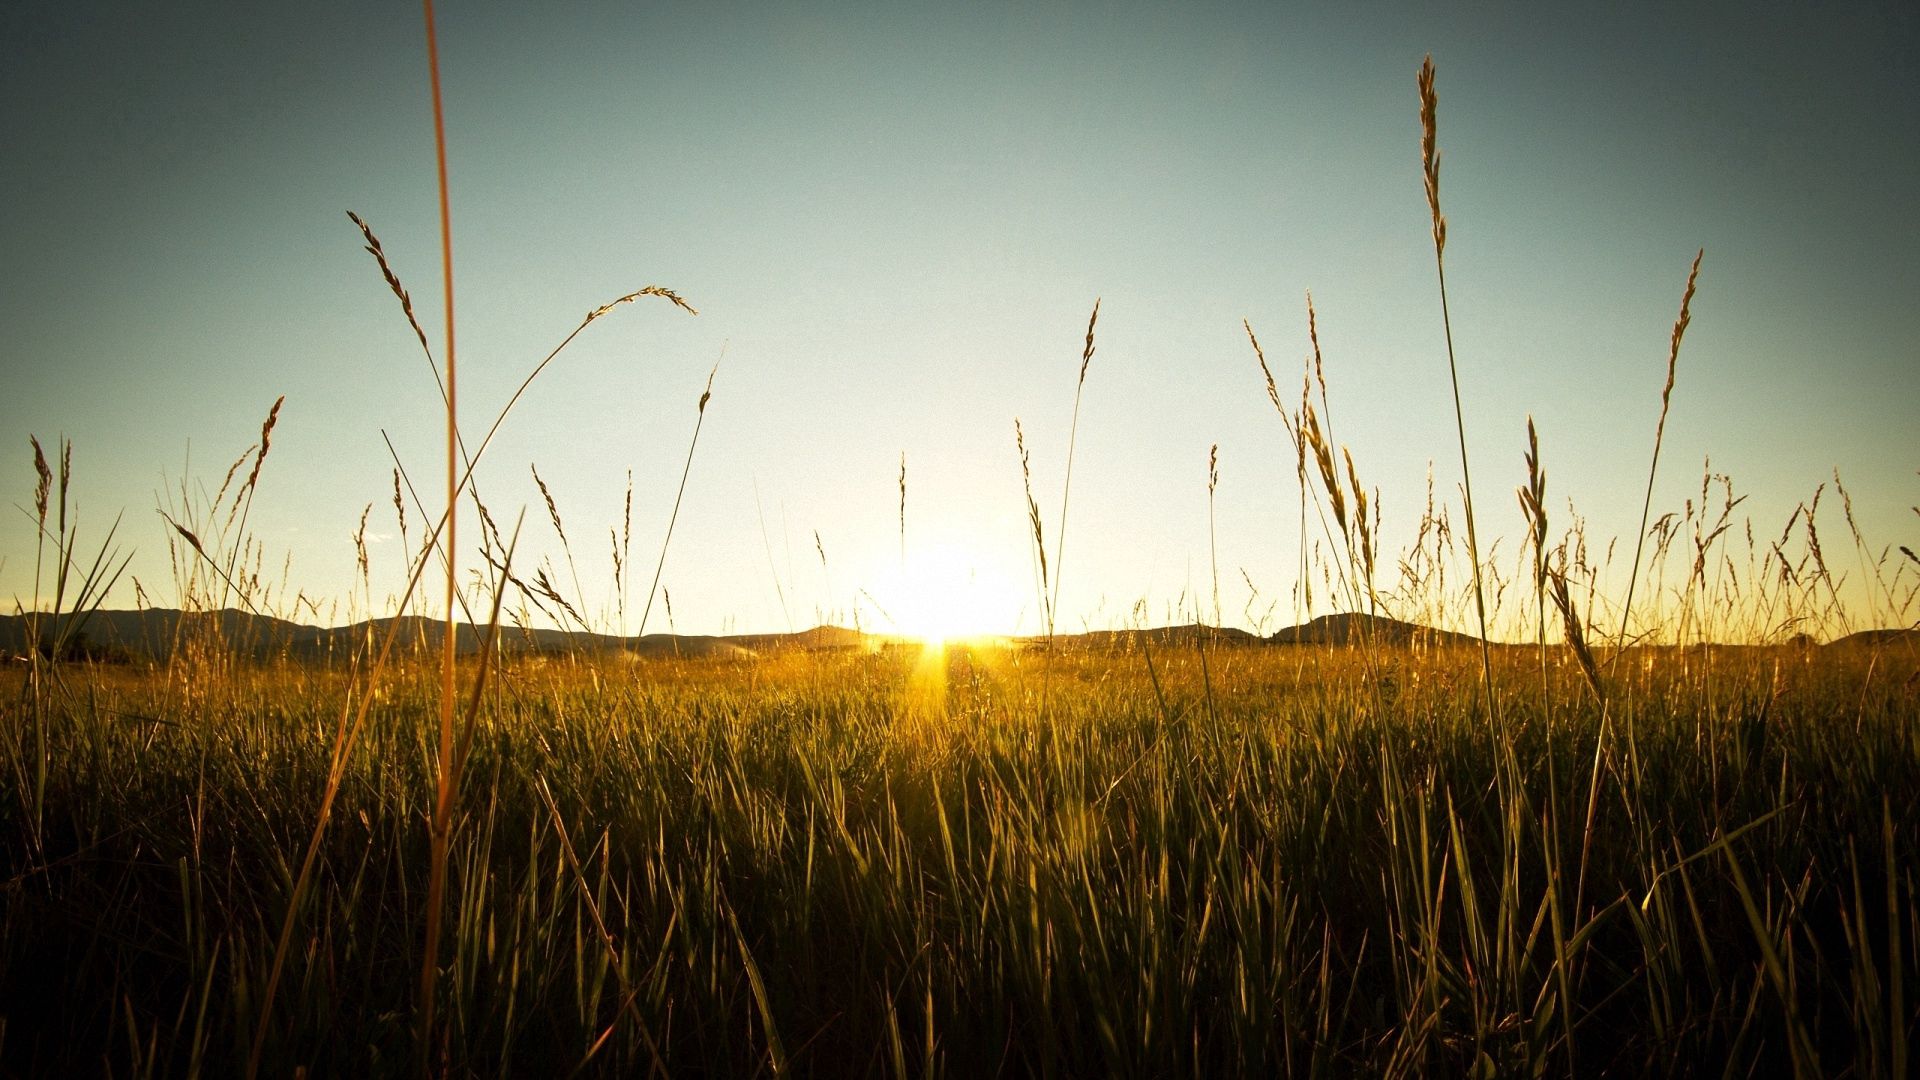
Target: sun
945	592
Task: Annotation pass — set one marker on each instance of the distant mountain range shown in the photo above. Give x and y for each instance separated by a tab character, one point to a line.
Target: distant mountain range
154	633
1347	629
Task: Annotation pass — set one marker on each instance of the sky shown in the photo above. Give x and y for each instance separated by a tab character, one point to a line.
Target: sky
894	220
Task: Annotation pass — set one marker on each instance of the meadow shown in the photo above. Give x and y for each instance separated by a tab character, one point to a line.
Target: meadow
1671	846
1183	860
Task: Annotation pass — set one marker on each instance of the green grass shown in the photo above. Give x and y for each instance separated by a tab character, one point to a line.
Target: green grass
819	863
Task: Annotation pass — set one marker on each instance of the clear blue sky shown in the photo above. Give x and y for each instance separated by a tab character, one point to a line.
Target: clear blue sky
895	219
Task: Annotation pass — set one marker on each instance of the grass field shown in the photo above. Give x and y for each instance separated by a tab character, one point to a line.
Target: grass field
1622	851
1175	861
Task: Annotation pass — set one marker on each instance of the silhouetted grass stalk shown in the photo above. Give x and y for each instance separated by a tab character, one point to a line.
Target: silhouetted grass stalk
1291	423
442	822
1033	520
1659	432
1533	509
1430	160
701	418
1213	541
353	718
1066	486
244	501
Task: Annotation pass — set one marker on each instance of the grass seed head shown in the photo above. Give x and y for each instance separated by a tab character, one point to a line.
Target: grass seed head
652	290
393	283
360	542
1033	508
187	534
1313	335
45	485
399	507
266	442
553	512
1329	476
1430	152
1680	329
1086	356
1533	506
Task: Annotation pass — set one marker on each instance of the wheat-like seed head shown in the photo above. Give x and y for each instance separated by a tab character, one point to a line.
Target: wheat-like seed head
1329	476
1846	504
488	528
545	586
1679	331
707	394
1273	392
626	513
186	534
393	283
1570	619
66	478
1813	531
651	290
552	511
1430	152
1086	356
45	486
1360	517
1533	505
399	507
1300	429
360	541
1213	469
1033	508
266	442
1313	335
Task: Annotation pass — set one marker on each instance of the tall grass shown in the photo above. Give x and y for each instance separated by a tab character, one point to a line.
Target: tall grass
700	419
1066	485
1084	859
1659	433
733	862
1430	167
446	778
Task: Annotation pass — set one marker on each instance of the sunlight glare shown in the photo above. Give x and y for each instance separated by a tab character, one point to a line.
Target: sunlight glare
947	593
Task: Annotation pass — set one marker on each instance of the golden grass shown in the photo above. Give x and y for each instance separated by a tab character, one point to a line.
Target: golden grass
1161	856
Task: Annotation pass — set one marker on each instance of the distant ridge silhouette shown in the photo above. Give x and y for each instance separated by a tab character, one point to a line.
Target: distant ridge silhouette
154	633
1909	638
1353	628
1159	635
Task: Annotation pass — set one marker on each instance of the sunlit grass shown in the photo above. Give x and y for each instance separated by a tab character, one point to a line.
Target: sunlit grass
1247	859
943	849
